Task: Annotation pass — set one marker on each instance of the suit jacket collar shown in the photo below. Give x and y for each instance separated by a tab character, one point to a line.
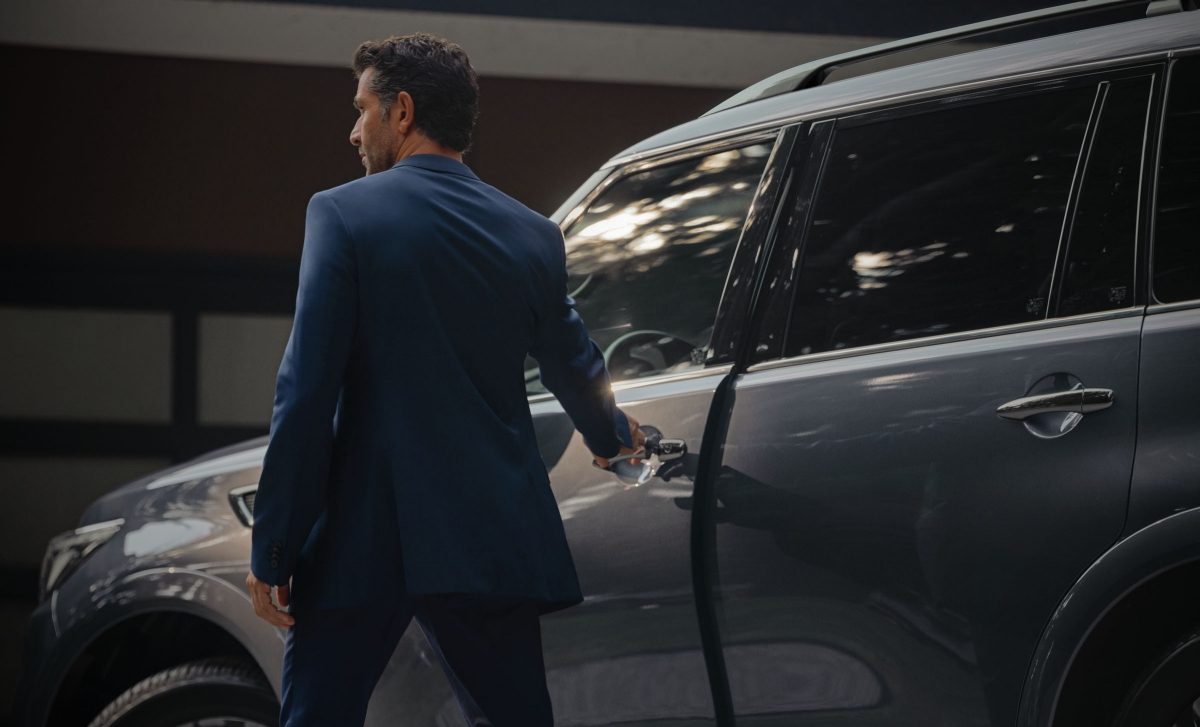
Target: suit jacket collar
436	163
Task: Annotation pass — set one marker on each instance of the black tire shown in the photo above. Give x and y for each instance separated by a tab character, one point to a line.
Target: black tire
194	693
1167	693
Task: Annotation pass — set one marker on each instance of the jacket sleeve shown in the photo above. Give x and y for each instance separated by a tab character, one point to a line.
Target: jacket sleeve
294	479
572	365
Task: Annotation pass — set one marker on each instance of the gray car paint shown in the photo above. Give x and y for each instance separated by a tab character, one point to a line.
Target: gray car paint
876	507
1168	464
631	652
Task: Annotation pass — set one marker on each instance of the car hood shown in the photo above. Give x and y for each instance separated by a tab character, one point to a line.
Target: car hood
126	498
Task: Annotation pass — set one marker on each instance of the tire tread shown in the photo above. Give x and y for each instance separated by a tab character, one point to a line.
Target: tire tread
231	671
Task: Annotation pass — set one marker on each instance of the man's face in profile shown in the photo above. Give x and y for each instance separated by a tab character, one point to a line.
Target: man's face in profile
376	139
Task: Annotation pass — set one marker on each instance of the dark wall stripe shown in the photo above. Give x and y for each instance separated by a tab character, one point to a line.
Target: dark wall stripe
102	279
116	439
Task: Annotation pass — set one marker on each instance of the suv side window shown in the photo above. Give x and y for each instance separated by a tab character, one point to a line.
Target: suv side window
1100	263
648	258
1176	246
938	221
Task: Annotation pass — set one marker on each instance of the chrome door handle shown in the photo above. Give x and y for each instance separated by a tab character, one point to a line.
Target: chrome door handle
658	446
1079	401
655	451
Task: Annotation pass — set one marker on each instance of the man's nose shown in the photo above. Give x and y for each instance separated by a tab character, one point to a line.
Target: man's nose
356	133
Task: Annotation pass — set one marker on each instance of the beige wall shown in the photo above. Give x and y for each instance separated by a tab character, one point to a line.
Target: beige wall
112	367
239	357
73	364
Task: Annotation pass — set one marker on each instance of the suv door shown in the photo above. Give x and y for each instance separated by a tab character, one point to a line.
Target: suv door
1167	476
887	546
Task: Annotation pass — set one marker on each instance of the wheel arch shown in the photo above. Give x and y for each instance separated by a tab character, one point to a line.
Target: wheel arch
1114	597
150	627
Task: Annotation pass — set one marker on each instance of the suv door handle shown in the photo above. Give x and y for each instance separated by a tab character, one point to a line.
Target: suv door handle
1080	401
656	451
658	446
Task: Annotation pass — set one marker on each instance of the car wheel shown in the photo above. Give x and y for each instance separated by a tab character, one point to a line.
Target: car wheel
1167	694
212	692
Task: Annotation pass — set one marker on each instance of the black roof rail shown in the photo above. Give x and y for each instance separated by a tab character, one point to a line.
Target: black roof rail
814	73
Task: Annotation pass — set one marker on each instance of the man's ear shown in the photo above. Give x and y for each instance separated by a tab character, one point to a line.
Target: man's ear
402	112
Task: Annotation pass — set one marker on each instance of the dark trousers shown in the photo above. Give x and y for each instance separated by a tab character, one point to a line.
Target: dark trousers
333	658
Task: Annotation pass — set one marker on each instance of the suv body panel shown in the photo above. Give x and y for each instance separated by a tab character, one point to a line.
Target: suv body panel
875	505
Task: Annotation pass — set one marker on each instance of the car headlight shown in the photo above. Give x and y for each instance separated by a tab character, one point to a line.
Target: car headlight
66	551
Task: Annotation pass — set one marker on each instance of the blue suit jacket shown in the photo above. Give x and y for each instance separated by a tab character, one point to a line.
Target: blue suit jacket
402	455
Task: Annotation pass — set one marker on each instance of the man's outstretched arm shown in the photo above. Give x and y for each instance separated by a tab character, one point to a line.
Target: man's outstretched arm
572	368
292	487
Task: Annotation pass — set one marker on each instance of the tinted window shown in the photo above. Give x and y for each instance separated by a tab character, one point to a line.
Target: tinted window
1098	274
938	221
1176	241
648	258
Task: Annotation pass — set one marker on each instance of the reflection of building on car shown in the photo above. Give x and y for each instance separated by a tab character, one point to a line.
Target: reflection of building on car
926	341
672	227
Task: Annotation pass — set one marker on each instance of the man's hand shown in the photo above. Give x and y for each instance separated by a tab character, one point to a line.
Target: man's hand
639	440
260	596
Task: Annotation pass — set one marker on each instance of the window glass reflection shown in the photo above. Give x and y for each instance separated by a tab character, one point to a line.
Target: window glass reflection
1098	274
938	221
1176	244
648	258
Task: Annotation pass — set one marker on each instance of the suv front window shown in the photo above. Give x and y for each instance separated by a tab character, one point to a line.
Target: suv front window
648	258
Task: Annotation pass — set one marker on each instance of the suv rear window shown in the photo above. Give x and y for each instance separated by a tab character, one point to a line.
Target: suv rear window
1176	243
938	221
1100	263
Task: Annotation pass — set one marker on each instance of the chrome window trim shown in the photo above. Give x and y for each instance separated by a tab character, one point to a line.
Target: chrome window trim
715	371
951	337
912	96
1171	307
1071	206
583	191
1146	263
699	373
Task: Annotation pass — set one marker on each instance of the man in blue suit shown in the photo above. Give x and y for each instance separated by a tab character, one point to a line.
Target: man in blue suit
402	478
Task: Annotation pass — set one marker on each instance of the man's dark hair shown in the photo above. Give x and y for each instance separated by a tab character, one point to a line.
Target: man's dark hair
438	76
